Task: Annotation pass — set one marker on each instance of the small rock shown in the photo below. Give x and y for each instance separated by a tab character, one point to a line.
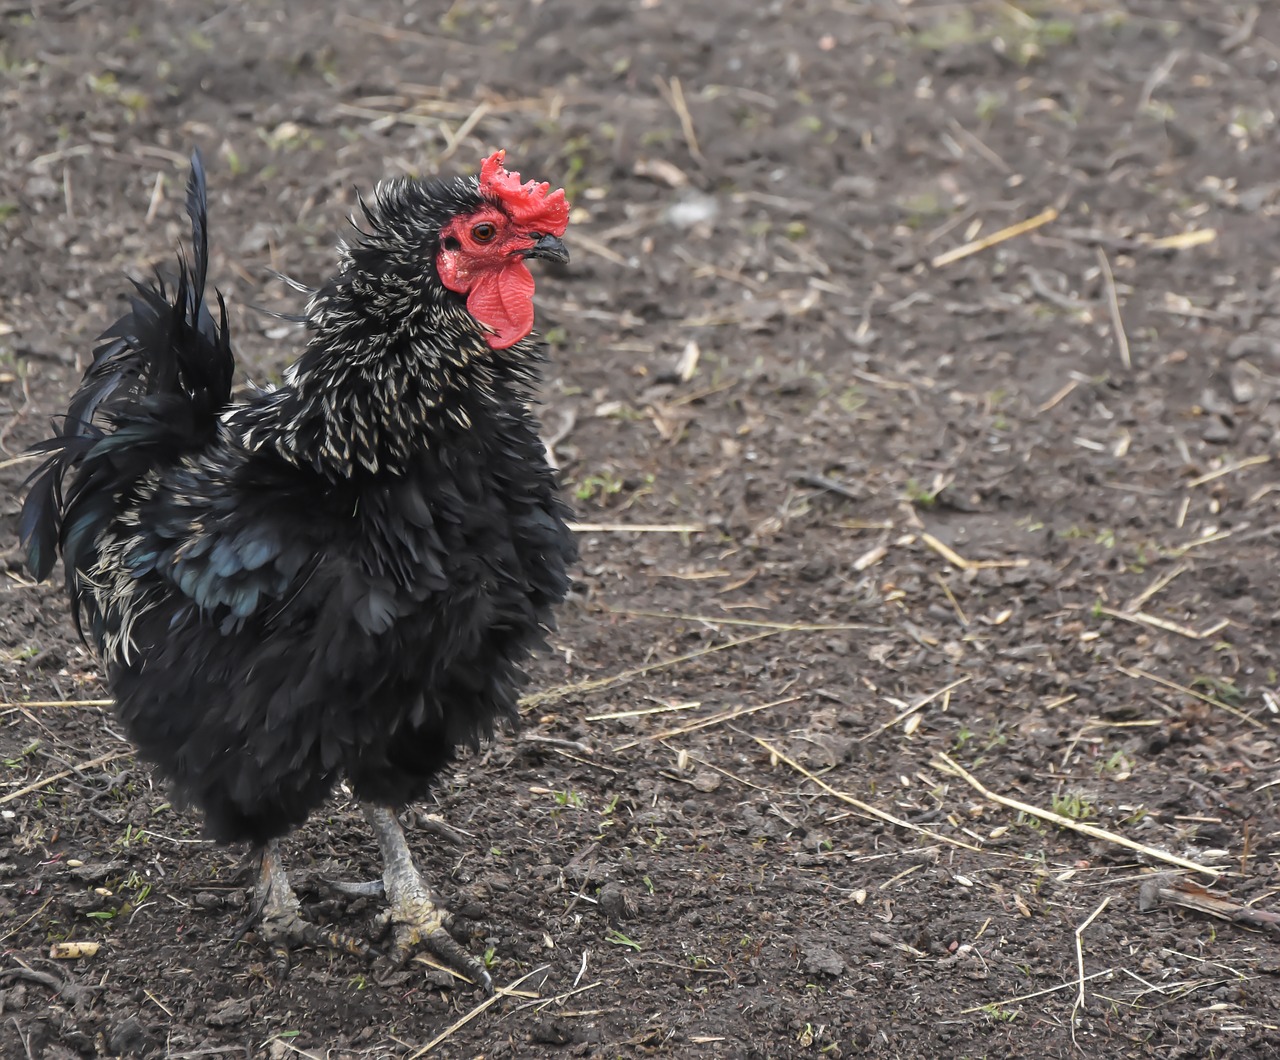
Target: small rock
1215	431
815	569
230	1013
820	959
92	871
551	1032
706	781
1254	344
128	1038
1244	384
1212	401
1252	200
855	186
614	901
692	208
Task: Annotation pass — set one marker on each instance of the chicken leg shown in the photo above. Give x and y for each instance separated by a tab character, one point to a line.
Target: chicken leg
417	917
279	914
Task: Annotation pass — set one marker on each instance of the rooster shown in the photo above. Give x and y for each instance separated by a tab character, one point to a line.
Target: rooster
338	578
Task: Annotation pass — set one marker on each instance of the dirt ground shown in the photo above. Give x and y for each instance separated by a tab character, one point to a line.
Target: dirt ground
901	503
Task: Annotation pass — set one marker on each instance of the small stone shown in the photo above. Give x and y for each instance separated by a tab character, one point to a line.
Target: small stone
1244	384
692	208
551	1032
857	186
820	959
93	871
128	1038
230	1013
1215	431
1254	344
614	901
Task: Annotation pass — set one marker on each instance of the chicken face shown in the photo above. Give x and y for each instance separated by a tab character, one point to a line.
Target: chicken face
483	252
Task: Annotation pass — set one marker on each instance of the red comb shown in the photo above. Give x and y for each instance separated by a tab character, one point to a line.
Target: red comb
531	204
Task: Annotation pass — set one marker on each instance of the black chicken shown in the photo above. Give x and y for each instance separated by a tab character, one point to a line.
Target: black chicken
339	577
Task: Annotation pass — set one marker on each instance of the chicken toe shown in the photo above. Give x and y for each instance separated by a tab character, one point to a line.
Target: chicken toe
279	918
418	919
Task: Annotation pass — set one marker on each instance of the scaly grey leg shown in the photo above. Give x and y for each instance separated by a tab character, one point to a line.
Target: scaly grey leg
418	918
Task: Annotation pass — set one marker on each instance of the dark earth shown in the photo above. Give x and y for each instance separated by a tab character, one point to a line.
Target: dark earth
849	503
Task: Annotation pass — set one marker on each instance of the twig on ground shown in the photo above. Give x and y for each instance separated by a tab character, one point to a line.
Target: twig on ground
1157	679
62	986
1113	306
554	741
1058	397
1183	241
1079	1003
1242	32
951	598
63	774
500	992
666	708
1141	618
718	769
755	623
1158	76
673	92
715	719
14	930
455	137
157	197
600	250
1034	994
1163	887
822	482
1229	469
638	528
597	683
958	561
1163	580
558	999
858	804
1062	301
1022	227
982	149
946	762
917	705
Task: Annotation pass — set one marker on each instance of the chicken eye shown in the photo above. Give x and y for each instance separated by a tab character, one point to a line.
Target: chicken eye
484	232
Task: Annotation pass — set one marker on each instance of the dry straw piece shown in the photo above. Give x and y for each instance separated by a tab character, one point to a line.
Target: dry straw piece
1014	230
945	761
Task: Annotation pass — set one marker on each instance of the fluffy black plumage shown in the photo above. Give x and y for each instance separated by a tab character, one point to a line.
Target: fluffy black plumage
340	576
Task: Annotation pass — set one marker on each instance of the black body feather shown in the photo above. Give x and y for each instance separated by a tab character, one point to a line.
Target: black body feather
338	577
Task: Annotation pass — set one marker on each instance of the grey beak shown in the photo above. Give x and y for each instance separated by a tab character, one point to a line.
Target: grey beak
549	247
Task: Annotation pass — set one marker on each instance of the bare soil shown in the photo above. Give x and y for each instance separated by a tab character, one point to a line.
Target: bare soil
1016	506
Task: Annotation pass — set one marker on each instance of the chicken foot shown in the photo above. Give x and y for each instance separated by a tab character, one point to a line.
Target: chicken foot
279	915
417	917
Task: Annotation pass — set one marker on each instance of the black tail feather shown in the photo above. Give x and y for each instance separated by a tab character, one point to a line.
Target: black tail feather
154	391
198	211
41	518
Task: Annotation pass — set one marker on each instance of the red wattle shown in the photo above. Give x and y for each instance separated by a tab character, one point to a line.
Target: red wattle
502	299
